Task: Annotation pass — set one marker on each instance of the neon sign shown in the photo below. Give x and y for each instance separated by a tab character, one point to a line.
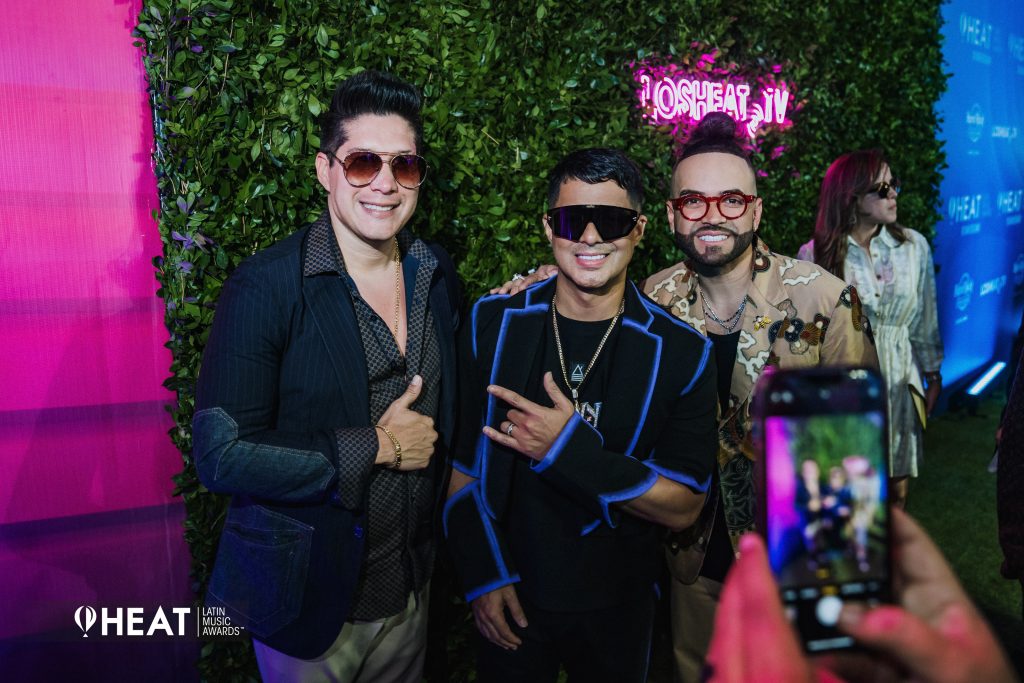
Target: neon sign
670	94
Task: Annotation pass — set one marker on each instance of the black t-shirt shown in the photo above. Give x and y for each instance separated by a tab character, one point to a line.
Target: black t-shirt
562	570
720	555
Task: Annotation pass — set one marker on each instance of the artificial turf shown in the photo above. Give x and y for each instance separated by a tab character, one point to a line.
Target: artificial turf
955	499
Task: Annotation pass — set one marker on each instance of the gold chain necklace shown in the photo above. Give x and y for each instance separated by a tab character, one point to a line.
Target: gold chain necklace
398	288
561	358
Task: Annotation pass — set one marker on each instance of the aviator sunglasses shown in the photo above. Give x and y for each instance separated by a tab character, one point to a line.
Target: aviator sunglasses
882	189
360	168
612	222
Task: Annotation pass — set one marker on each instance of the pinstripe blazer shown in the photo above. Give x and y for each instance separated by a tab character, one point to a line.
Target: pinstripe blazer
284	374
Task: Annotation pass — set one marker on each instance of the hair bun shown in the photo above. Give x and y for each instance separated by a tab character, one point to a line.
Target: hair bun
715	127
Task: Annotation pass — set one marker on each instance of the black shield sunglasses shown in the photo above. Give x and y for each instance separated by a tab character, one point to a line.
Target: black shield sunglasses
612	222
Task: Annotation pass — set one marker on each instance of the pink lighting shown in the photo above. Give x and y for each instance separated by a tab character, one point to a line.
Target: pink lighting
671	94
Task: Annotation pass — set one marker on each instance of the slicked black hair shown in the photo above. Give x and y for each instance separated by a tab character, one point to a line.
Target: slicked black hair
596	165
370	92
716	132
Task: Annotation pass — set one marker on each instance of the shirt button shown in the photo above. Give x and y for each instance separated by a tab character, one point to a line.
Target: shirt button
358	531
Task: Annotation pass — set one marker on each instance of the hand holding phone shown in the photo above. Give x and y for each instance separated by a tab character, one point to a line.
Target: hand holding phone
823	503
935	635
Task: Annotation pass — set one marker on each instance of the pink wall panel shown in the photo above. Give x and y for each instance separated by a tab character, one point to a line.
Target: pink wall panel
87	514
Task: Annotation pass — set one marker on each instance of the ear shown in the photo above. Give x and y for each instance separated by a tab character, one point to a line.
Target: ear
671	216
547	230
323	170
638	231
758	207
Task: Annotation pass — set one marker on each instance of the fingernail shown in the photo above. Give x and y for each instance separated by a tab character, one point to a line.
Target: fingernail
851	615
747	542
417	380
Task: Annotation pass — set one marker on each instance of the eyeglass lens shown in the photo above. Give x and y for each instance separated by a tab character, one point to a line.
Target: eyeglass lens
362	167
695	206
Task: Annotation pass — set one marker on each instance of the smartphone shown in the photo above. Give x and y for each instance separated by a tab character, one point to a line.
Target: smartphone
823	498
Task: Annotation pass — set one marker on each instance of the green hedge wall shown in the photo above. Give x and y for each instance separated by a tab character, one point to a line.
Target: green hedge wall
509	88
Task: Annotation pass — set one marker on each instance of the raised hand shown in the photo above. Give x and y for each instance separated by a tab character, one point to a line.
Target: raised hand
529	427
518	284
414	432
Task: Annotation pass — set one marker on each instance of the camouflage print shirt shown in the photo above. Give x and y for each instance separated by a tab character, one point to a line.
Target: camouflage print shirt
797	315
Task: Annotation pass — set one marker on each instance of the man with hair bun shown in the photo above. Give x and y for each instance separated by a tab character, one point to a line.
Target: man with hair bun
758	308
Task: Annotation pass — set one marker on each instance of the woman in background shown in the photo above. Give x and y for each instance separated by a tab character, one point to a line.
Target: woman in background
857	238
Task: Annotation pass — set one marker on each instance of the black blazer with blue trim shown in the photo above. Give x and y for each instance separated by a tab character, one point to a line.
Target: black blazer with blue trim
283	371
659	418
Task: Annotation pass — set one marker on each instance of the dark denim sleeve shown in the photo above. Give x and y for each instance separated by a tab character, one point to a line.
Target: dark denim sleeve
236	447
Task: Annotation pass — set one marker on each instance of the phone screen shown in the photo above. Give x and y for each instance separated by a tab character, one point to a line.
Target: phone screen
827	523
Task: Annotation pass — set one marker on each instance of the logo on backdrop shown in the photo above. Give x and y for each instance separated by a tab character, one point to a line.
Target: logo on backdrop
995	285
975	122
976	32
205	623
85	617
1015	46
962	292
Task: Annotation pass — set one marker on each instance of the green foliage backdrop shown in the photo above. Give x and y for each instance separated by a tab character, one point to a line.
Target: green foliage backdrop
509	88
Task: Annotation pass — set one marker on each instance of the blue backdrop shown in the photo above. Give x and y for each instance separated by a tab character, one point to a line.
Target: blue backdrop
979	244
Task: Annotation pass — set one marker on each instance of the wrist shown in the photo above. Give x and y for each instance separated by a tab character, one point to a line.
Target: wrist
395	462
933	377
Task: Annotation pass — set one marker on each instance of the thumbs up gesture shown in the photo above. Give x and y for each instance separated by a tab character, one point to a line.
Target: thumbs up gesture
413	431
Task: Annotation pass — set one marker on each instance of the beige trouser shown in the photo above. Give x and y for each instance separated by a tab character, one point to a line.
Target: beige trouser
389	651
693	620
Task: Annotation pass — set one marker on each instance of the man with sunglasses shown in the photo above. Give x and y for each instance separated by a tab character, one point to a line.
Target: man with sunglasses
587	423
326	392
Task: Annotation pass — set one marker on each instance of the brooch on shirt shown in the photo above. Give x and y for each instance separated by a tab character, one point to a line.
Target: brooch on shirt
761	322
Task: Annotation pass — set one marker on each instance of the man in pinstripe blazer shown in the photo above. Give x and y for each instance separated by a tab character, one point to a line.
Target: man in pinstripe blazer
324	404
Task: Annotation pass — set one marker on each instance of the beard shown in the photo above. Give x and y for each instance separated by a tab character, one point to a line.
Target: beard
714	257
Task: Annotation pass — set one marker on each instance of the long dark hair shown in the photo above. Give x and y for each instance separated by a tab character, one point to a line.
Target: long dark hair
846	181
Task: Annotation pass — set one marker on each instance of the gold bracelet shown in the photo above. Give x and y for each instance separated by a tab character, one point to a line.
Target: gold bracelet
397	464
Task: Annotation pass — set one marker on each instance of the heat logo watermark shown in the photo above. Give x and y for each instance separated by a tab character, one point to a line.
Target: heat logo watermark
206	623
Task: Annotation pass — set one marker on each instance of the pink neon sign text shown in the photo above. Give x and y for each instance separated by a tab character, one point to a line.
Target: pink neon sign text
677	99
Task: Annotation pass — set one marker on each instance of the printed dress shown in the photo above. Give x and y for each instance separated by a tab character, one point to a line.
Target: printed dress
897	290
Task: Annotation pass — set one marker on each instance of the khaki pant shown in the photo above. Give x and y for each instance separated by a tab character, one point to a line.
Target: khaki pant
389	651
693	620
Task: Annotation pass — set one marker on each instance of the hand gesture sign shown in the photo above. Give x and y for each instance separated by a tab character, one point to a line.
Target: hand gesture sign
528	427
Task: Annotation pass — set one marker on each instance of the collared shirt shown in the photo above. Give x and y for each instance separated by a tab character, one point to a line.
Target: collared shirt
896	282
399	545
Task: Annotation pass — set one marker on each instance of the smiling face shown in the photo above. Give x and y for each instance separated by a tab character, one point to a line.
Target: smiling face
715	243
592	265
873	210
375	213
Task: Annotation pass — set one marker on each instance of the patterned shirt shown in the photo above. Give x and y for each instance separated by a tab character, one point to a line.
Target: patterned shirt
399	542
896	282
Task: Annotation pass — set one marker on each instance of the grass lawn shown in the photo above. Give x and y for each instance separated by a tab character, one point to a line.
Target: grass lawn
955	499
